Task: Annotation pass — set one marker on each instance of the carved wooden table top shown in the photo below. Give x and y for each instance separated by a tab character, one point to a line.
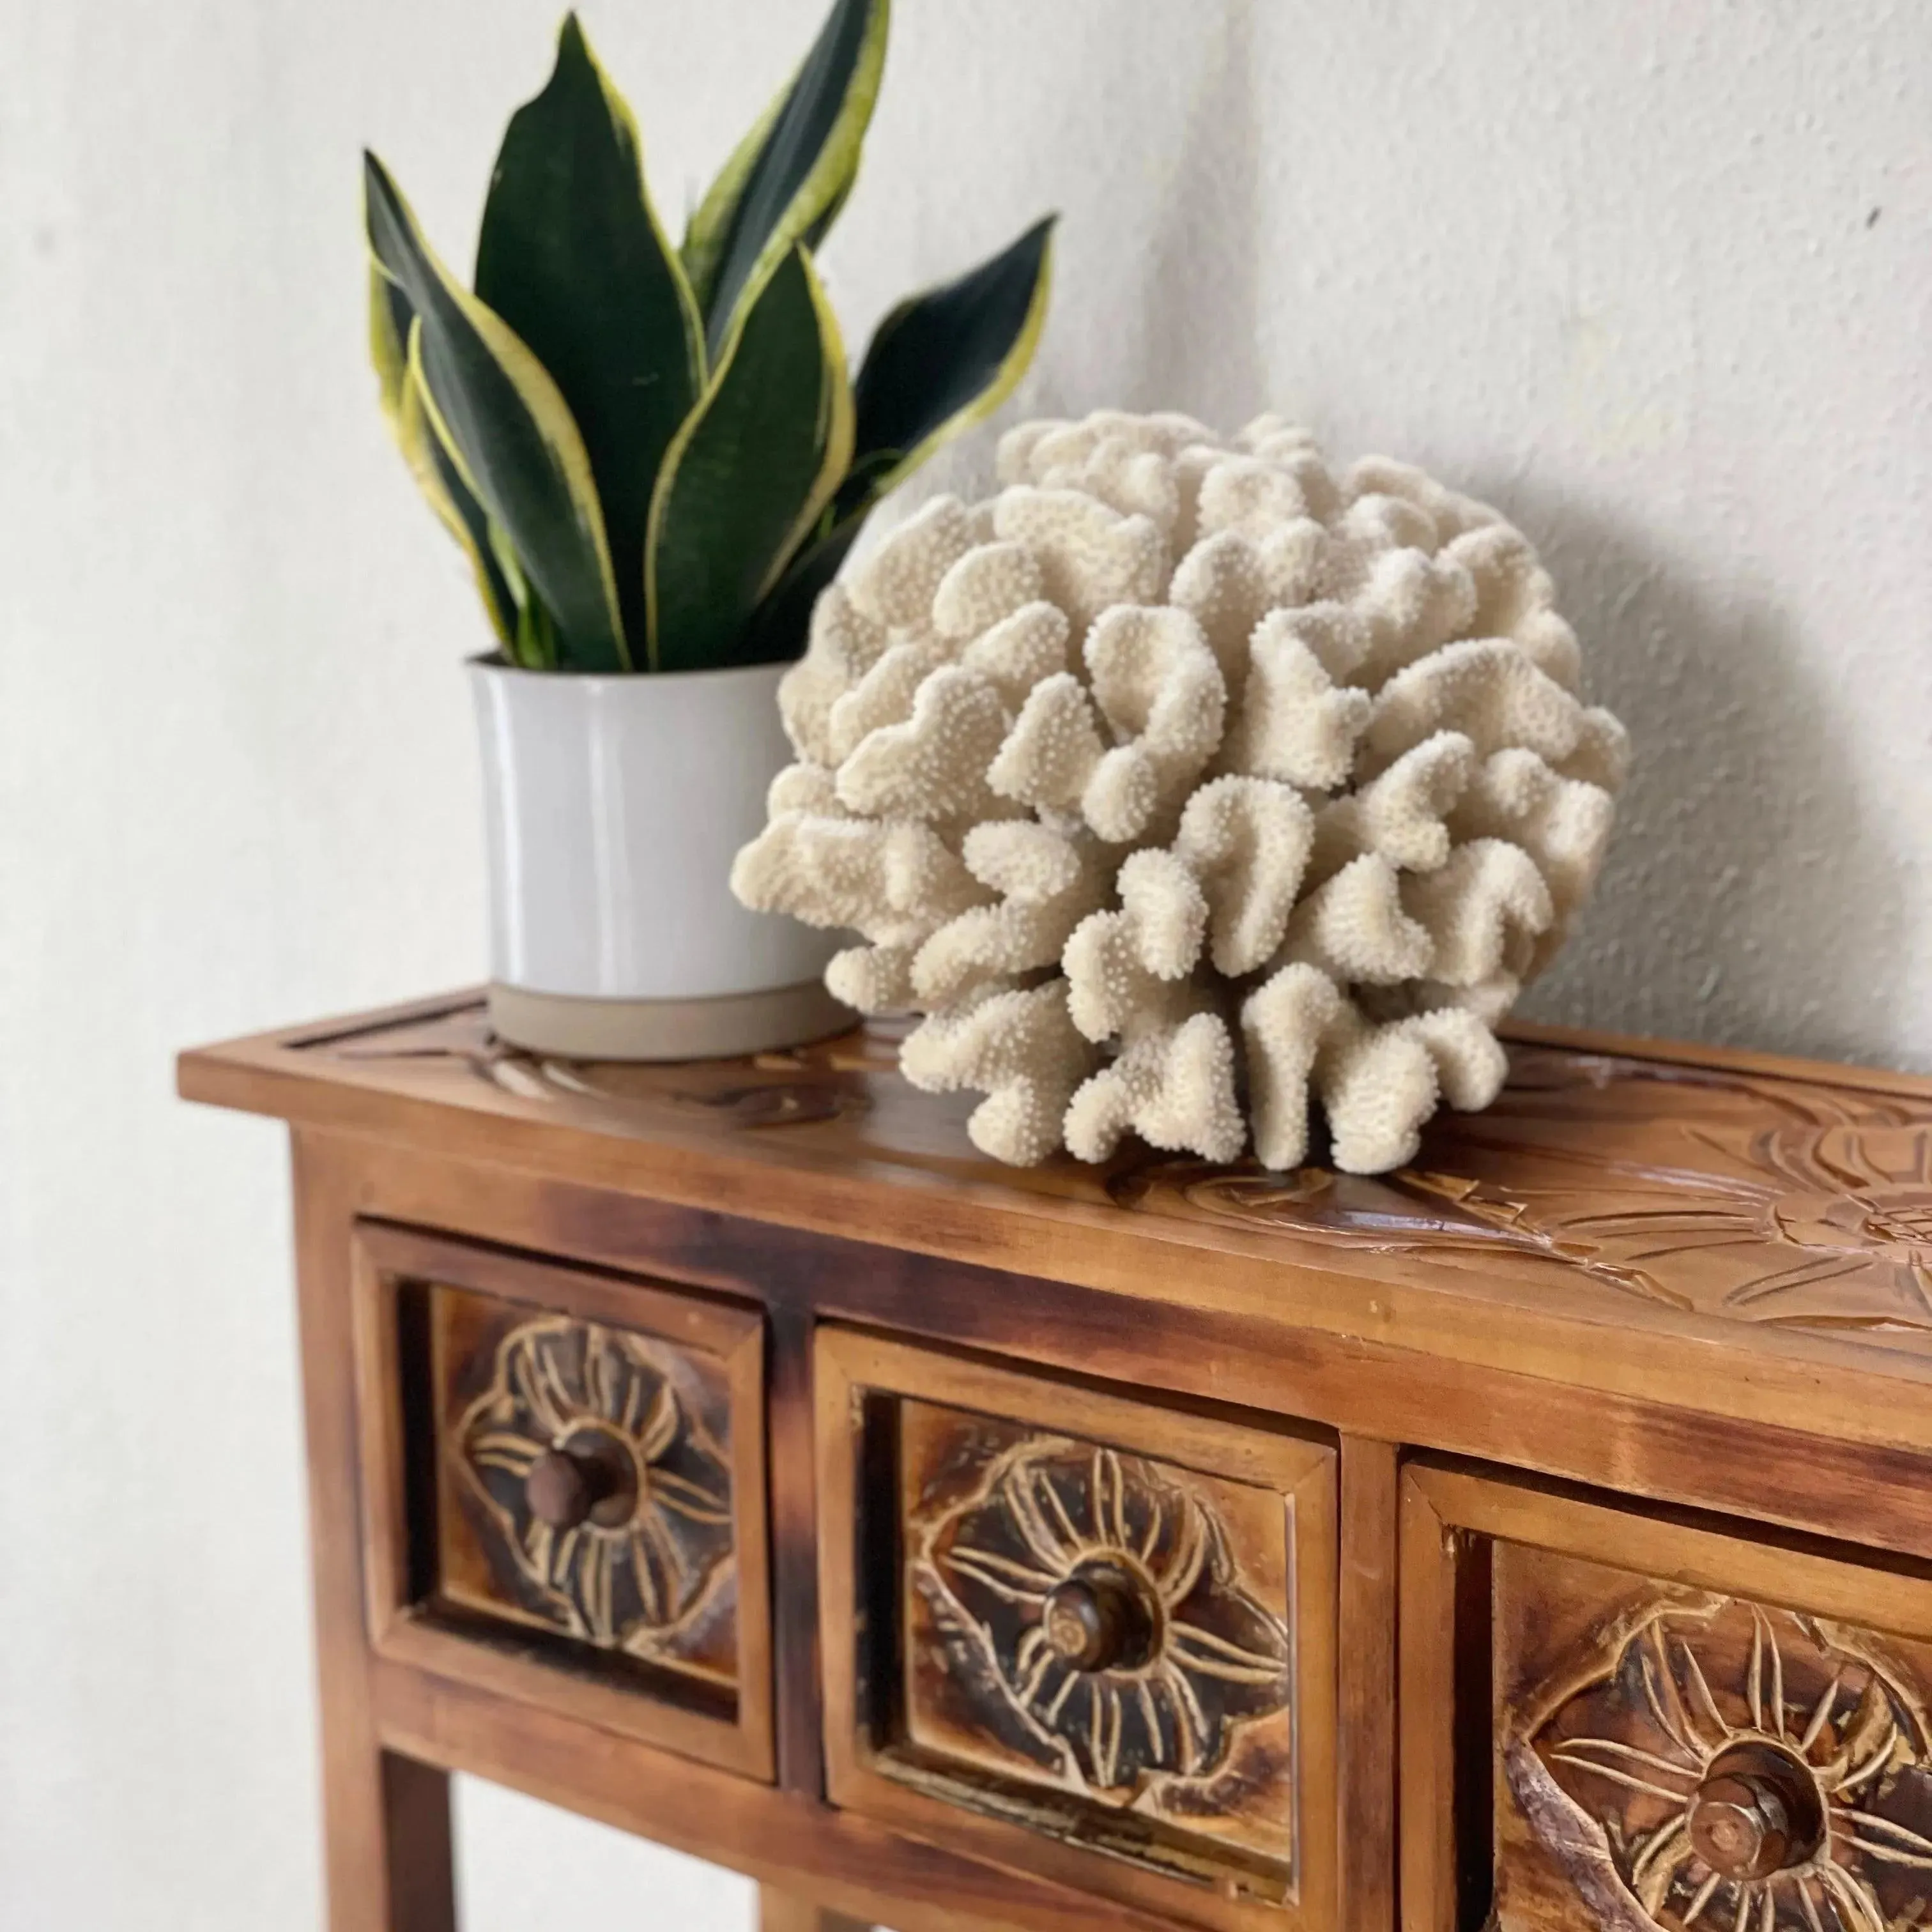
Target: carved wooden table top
726	1450
1747	1235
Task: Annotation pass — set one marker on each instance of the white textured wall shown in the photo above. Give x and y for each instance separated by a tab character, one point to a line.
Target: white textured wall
1656	277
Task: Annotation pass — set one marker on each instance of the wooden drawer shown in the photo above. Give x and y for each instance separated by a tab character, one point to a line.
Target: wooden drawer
1085	1636
1612	1721
565	1479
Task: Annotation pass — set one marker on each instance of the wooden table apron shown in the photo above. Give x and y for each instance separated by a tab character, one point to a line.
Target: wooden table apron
1681	1286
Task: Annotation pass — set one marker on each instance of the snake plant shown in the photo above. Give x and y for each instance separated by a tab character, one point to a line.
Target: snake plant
654	457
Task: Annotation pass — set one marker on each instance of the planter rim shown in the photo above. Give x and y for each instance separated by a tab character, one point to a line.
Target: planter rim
494	664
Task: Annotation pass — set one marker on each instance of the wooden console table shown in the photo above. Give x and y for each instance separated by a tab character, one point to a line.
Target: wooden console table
723	1451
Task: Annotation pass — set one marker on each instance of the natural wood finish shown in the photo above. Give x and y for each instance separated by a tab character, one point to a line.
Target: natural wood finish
480	1302
847	1861
993	1475
1426	1701
794	1508
1366	1715
628	1441
786	1912
387	1860
1260	1361
1750	1244
1641	1354
1129	1631
1749	1061
1794	1573
1687	1717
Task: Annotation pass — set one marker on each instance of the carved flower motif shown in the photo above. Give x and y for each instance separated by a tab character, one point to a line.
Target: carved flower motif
645	1561
1107	1597
1861	1201
1744	1770
1759	1199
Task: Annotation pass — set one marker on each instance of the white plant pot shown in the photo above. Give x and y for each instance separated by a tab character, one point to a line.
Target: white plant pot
613	808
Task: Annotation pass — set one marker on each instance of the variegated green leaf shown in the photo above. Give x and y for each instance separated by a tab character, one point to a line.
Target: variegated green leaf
788	177
390	322
708	228
571	256
938	363
390	316
781	625
751	473
942	360
510	435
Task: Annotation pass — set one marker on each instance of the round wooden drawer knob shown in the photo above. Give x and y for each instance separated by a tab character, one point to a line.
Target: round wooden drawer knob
1756	1812
558	1490
1098	1621
569	1486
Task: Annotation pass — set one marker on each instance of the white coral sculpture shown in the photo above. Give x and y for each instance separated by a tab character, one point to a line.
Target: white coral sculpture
1186	781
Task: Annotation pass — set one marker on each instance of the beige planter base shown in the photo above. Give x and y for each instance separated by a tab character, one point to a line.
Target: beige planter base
719	1028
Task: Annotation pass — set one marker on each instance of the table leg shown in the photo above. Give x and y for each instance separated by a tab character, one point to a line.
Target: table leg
786	1912
386	1818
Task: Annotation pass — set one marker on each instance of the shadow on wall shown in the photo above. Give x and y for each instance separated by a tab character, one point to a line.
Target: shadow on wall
1749	897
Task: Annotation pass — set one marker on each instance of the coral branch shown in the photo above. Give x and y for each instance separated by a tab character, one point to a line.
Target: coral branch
1188	776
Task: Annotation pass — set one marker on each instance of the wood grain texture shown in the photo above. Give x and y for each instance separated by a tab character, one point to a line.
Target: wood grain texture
1094	1622
794	1507
1258	1359
844	1861
629	1549
786	1912
656	1622
960	1505
1690	1725
1743	1243
387	1857
1367	1714
1426	1701
1632	1369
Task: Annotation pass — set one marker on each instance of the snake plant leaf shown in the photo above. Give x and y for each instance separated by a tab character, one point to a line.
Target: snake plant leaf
709	227
510	435
571	256
390	316
751	473
938	363
782	622
390	321
788	177
944	358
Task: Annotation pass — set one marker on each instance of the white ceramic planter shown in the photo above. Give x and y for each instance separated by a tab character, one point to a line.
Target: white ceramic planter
613	807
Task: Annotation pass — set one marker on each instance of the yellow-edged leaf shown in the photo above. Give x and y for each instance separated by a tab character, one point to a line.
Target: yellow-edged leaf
946	358
510	436
390	323
573	259
709	227
801	173
750	473
838	421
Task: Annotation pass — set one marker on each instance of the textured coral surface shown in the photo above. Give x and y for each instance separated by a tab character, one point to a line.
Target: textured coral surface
1187	781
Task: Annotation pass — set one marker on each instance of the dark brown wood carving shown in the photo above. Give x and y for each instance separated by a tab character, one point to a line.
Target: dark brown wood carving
1760	1200
1723	1766
1101	1623
589	1469
1741	1195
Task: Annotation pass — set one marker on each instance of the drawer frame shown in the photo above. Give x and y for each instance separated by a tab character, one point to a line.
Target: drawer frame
1447	1507
387	1260
854	1368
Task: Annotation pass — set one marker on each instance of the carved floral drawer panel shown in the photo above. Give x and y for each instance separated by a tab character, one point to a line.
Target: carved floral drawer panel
1094	1635
569	1469
1654	1724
